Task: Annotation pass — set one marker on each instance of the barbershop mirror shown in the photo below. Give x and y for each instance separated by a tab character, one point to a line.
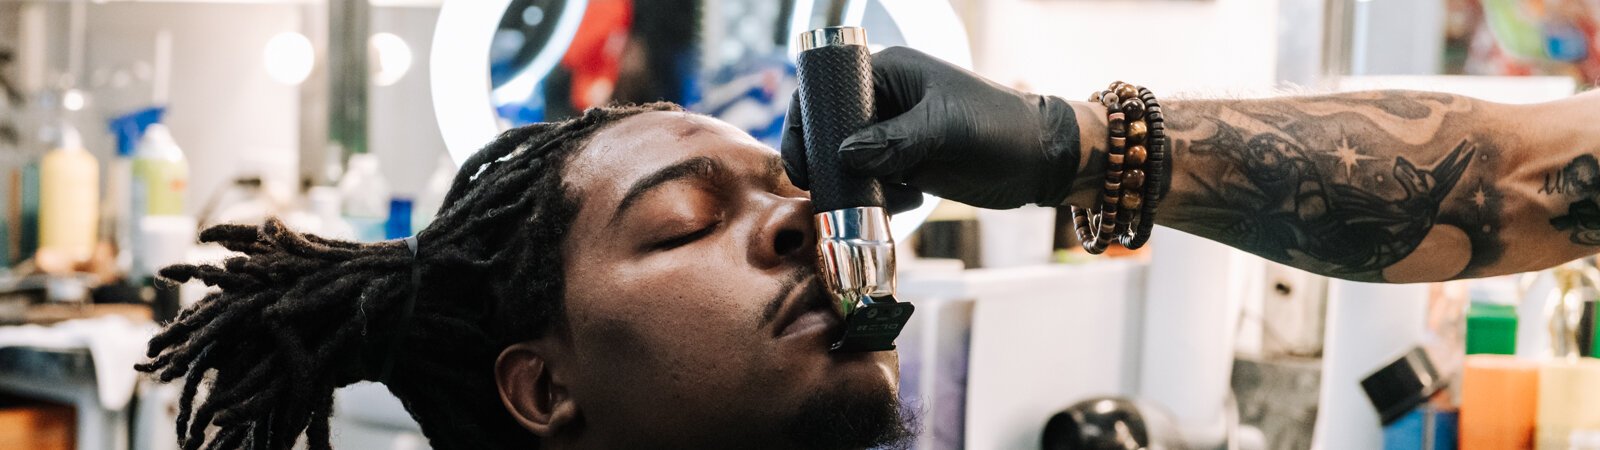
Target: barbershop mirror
497	64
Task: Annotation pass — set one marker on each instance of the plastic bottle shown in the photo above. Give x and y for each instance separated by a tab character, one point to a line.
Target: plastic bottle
432	197
28	211
366	197
399	223
159	166
124	195
6	203
69	191
246	202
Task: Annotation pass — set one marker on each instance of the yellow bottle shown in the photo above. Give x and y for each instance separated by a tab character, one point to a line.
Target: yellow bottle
69	198
160	167
1568	389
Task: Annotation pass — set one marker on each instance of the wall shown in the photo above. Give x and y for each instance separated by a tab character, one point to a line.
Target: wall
230	116
401	127
1403	37
225	111
1072	48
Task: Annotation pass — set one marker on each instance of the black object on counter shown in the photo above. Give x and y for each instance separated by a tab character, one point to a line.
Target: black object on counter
1401	386
1108	424
164	306
1587	329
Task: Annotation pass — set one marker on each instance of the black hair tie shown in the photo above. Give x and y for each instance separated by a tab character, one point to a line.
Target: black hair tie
406	310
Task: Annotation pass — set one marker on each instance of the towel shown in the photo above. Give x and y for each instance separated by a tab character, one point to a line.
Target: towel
115	344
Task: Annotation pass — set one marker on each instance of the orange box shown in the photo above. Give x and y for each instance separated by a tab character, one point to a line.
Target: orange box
36	425
1499	403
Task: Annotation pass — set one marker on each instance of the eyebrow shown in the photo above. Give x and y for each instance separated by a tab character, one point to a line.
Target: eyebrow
702	167
774	169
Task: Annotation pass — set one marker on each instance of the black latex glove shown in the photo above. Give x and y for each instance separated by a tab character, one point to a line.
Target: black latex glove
948	132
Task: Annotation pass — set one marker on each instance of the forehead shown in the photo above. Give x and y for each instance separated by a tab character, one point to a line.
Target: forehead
639	145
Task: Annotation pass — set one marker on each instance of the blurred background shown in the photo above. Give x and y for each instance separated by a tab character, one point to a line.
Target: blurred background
128	125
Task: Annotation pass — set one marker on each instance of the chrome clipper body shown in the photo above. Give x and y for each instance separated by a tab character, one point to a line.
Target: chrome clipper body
854	246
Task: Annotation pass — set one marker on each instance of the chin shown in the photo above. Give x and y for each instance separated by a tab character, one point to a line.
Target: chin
873	368
858	407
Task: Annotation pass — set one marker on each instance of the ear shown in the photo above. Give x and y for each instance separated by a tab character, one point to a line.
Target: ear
532	393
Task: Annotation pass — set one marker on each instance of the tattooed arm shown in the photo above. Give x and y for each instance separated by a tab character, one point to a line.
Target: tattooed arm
1380	186
1373	186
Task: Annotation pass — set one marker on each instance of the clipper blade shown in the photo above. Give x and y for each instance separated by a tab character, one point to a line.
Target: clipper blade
873	326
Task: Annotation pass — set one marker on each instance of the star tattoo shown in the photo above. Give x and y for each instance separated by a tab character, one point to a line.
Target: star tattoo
1348	156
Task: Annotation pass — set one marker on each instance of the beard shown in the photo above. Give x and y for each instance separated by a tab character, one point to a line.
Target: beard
844	419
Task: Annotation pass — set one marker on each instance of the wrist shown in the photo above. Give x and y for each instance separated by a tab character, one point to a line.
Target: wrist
1085	181
1062	149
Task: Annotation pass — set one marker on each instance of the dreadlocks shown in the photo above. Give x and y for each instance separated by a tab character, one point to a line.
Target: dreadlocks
299	315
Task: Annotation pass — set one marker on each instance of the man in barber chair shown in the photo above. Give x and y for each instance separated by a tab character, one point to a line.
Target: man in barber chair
642	277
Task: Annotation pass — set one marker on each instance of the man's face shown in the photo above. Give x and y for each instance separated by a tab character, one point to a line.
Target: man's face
695	315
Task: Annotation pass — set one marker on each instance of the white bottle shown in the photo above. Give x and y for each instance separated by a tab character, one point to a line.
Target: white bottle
365	195
433	194
69	198
321	215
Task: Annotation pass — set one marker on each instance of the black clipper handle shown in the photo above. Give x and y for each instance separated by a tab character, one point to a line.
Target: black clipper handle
835	79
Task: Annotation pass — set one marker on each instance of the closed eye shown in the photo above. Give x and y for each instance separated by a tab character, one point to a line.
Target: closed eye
686	239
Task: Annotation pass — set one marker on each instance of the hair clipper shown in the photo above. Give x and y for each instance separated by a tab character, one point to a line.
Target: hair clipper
855	251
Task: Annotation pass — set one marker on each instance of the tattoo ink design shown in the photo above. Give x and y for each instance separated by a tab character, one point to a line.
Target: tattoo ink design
1287	205
1580	178
1349	185
1583	218
1405	105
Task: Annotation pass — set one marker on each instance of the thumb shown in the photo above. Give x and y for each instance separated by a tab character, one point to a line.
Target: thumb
793	146
890	147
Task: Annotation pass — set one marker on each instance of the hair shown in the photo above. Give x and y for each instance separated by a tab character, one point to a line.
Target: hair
298	316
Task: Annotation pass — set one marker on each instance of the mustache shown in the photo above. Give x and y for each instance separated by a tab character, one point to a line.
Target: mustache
791	281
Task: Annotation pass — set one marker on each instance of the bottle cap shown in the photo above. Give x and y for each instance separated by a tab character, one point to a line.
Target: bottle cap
69	138
129	128
158	139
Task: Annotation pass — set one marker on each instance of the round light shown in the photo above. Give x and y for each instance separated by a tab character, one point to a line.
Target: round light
391	58
288	58
72	100
532	16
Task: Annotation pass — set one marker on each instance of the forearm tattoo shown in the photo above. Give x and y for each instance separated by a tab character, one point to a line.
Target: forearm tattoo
1579	180
1348	185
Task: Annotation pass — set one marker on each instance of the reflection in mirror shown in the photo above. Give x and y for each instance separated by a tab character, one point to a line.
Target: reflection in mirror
551	59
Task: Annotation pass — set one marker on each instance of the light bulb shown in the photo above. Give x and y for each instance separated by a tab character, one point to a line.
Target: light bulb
391	58
288	58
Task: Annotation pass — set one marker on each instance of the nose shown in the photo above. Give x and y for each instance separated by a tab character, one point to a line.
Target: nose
785	235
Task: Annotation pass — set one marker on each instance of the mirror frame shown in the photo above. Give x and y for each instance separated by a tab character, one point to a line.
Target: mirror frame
463	100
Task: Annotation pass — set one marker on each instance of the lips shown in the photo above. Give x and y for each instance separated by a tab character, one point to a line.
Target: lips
808	310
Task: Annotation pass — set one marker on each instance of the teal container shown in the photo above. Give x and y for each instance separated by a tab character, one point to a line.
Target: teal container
7	190
28	230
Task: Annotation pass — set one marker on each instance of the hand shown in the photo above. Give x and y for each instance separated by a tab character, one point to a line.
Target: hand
948	132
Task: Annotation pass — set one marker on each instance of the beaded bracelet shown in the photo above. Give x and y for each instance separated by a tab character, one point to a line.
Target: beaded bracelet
1095	232
1157	171
1135	171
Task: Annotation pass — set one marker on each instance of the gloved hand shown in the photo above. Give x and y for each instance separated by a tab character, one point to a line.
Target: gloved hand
948	132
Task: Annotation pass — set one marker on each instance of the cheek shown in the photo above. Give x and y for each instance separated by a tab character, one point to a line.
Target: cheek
676	323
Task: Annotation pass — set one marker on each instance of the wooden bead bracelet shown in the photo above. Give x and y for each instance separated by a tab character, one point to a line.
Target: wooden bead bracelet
1136	170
